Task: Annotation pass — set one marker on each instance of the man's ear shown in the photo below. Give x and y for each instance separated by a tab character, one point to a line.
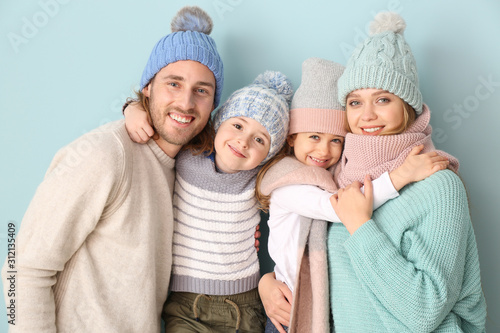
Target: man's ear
145	90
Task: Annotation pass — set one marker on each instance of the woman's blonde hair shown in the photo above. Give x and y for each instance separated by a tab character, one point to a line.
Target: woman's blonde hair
264	200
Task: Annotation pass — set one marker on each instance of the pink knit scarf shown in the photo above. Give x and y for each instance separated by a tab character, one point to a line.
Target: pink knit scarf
373	155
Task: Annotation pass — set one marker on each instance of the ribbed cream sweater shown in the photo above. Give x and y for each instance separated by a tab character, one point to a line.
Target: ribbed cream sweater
94	247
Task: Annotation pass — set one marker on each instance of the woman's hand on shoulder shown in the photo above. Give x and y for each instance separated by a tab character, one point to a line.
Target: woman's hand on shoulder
417	167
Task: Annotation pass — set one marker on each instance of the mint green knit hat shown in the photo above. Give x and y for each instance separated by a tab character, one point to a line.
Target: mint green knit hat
383	61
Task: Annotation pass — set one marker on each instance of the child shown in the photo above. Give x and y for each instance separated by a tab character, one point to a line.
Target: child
215	268
315	143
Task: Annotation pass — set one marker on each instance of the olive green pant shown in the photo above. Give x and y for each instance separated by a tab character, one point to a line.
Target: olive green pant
188	312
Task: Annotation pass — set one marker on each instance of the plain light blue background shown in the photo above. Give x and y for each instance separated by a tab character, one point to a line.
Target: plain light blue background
66	66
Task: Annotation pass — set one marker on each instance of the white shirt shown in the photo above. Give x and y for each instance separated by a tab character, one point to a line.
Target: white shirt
289	204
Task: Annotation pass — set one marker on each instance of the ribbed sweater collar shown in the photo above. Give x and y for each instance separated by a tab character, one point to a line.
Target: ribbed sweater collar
162	157
201	170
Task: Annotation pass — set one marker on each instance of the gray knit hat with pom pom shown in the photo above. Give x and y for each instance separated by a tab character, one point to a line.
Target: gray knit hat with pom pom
266	100
189	40
383	61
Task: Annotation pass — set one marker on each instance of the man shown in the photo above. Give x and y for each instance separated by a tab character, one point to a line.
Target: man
94	248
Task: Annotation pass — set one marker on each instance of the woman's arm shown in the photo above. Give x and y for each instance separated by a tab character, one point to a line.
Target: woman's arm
417	276
417	167
312	202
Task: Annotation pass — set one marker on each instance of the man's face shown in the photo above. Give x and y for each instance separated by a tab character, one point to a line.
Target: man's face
181	98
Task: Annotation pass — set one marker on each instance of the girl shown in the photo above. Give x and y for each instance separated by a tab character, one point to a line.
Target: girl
215	268
412	265
314	144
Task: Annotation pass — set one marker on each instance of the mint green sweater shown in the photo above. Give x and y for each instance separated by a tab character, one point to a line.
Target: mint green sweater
412	268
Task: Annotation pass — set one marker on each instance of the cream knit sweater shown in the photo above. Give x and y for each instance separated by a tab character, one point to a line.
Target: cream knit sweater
93	253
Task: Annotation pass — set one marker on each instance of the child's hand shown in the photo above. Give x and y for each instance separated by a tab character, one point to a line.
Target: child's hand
275	297
137	123
417	167
352	206
257	236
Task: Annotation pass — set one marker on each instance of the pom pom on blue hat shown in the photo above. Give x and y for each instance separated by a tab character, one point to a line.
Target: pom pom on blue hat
192	19
189	40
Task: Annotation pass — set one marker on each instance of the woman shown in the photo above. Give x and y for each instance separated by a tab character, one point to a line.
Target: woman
413	265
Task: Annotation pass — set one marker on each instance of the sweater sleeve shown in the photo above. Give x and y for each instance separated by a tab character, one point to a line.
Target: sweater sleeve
77	190
312	202
417	276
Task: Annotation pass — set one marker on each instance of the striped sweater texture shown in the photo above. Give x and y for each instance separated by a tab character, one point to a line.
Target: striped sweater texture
215	216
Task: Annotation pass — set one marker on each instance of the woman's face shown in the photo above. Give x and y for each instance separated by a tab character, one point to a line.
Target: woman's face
374	112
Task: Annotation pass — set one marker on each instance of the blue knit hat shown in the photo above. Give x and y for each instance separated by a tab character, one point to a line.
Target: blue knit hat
266	100
383	61
189	40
